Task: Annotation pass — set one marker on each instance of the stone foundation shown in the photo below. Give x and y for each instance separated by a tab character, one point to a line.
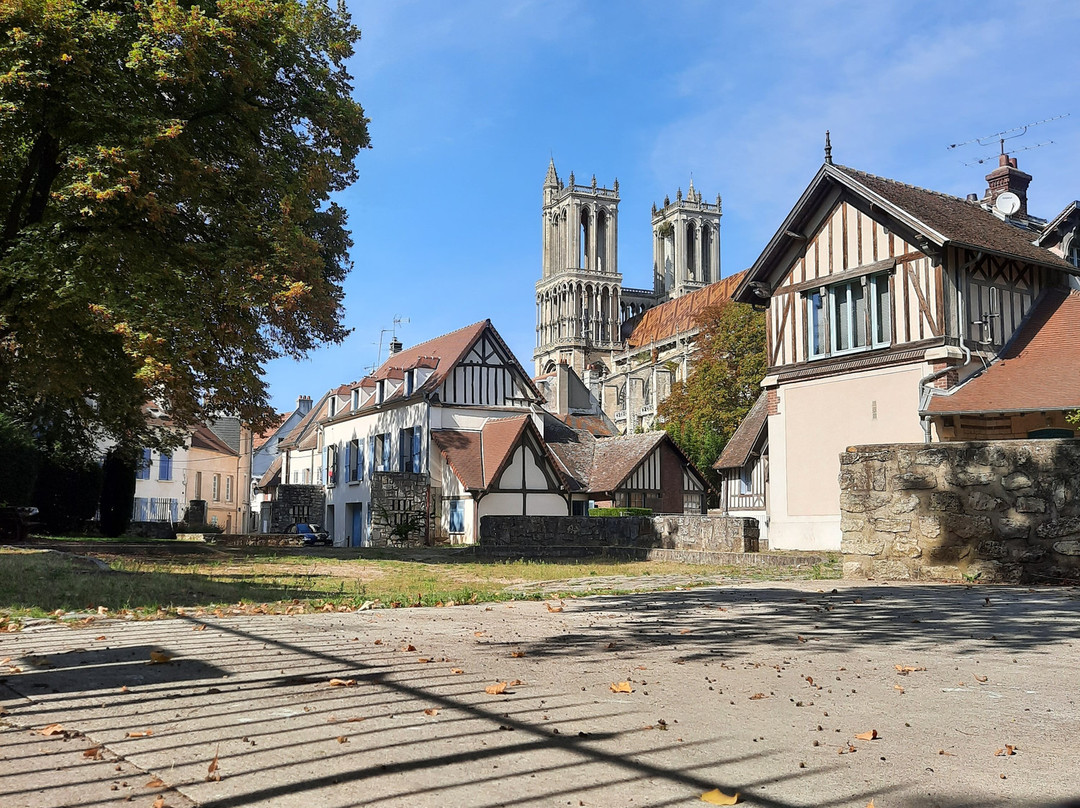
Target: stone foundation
986	510
397	496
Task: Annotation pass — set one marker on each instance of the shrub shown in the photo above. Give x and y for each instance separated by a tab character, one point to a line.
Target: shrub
620	511
117	494
67	492
19	461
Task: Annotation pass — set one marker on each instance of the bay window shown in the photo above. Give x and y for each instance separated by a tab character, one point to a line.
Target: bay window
855	315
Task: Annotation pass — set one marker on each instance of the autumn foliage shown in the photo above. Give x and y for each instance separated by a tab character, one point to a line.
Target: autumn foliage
703	411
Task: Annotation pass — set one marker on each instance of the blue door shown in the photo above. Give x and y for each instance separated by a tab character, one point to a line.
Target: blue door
357	524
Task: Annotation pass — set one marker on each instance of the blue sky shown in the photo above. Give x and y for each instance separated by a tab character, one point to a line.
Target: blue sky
468	101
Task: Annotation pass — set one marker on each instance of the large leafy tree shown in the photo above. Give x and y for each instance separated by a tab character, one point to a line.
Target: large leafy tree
703	411
166	222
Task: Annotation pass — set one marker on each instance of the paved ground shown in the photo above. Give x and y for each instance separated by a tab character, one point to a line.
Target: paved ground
757	688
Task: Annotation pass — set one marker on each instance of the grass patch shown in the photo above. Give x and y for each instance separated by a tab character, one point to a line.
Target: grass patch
149	581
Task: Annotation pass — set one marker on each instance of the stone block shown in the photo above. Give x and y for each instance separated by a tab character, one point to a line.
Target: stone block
902	505
931	457
941	572
969	477
981	501
854	455
909	480
860	544
1016	481
966	526
854	569
930	526
890	570
850	524
1070	547
1014	527
1059	528
1030	505
861	502
891	525
907	548
946	501
993	549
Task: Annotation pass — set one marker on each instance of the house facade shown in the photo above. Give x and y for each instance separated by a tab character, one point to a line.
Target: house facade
881	296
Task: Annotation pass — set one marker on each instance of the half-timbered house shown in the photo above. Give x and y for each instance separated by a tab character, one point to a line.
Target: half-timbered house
879	295
744	468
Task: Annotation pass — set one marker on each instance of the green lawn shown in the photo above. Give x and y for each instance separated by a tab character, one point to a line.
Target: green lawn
157	579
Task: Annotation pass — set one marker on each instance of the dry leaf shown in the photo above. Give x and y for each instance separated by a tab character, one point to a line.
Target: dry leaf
610	646
99	639
456	670
142	733
801	638
517	654
431	711
980	678
551	608
904	670
515	683
1008	750
684	631
869	735
157	782
408	648
160	803
622	687
378	642
342	683
94	753
478	634
212	774
52	729
718	797
870	804
898	687
424	660
200	627
159	657
342	739
758	696
495	689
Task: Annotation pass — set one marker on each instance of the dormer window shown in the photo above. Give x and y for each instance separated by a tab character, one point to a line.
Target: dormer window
356	398
409	378
331	407
380	391
1074	252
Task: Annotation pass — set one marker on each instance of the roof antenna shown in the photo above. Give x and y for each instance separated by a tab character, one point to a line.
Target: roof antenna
1001	137
398	320
828	148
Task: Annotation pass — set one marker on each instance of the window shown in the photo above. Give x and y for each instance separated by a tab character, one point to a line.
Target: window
331	466
356	398
164	471
692	502
380	452
354	459
852	316
1074	253
409	382
331	407
143	470
228	488
216	490
746	480
456	513
409	449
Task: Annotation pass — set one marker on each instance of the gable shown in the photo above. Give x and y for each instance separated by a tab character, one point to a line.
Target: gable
487	375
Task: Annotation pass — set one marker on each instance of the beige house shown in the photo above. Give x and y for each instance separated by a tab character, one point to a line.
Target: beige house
881	296
214	475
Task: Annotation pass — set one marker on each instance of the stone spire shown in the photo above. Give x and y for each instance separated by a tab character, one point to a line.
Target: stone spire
552	178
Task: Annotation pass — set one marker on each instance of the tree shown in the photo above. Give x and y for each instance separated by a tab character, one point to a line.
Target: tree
166	222
704	410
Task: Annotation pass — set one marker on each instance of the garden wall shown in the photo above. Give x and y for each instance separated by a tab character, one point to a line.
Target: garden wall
695	537
986	510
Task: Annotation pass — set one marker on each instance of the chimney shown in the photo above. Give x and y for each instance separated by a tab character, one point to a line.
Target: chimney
1007	177
395	346
303	405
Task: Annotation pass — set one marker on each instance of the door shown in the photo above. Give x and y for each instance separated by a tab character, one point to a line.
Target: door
357	524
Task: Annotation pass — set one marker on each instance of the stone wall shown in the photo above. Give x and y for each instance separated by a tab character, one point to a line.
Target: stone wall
296	503
986	510
624	536
397	496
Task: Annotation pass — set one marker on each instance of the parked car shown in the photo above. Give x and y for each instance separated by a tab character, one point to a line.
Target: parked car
311	534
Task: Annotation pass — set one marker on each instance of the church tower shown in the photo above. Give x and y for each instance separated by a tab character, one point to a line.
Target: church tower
578	294
686	244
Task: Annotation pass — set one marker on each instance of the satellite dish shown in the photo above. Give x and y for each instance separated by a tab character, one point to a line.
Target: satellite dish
1007	203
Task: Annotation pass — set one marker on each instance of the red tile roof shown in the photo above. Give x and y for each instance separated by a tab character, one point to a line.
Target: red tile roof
614	459
681	314
258	441
1038	370
272	475
478	457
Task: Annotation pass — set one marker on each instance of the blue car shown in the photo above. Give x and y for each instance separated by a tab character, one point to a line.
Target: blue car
311	534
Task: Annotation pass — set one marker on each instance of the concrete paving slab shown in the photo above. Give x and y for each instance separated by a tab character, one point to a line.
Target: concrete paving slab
761	689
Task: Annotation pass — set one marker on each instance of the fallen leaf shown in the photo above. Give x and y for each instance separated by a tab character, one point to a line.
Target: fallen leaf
456	670
52	729
160	803
495	689
478	634
102	609
123	688
408	648
200	627
758	696
610	646
99	639
212	774
898	687
515	683
718	797
94	753
159	657
431	711
904	670
142	733
870	804
551	608
622	687
342	739
1008	750
157	782
684	631
342	683
802	638
943	752
424	660
869	735
517	654
980	678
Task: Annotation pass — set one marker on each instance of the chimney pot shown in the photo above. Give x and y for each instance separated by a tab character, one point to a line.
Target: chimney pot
395	346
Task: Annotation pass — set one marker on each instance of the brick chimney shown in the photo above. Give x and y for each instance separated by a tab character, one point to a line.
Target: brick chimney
303	405
395	346
1007	177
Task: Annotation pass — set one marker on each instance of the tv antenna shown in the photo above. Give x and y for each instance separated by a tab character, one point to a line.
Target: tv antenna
1001	137
398	320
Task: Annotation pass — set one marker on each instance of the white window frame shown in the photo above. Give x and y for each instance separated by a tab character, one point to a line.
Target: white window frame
821	303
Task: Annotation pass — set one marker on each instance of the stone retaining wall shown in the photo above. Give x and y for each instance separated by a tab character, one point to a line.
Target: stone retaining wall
256	539
617	536
986	510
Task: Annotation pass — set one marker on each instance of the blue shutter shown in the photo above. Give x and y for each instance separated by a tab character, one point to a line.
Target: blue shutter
359	460
348	467
386	452
164	467
416	433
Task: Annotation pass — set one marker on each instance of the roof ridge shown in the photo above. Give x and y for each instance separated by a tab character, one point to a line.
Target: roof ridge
419	345
953	197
